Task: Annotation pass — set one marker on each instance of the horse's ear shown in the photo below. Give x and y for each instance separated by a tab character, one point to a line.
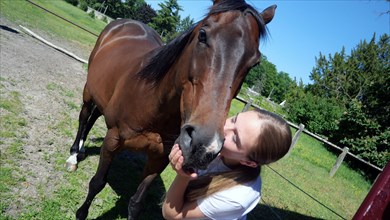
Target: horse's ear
268	14
215	2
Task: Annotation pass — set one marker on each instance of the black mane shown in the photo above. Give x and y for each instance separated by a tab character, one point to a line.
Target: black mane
163	57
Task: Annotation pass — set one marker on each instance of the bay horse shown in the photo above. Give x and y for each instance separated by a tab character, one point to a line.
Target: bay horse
153	95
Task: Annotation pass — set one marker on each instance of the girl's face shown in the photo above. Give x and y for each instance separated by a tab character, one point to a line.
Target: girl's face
241	134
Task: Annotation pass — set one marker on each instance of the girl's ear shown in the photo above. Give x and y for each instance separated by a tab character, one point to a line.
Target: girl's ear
248	163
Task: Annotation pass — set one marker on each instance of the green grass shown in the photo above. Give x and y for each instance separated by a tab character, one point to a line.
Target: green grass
307	166
12	135
34	18
235	107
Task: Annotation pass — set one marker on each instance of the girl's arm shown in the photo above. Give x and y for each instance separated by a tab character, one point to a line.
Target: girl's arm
174	206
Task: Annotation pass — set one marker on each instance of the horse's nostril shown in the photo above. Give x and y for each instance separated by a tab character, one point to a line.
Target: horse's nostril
188	133
190	130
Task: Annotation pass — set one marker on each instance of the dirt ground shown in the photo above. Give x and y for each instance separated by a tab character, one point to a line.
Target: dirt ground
28	66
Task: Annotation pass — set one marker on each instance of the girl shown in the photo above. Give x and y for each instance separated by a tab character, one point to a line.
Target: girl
230	187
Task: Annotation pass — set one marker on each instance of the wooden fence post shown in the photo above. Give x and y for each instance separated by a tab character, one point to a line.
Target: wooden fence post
338	161
295	138
247	105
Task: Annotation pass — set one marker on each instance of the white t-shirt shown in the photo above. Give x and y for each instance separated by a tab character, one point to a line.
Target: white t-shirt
232	203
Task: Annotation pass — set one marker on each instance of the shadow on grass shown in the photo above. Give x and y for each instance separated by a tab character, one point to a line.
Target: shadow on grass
125	175
262	211
92	147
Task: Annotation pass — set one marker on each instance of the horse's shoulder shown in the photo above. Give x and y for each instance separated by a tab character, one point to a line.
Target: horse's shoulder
131	28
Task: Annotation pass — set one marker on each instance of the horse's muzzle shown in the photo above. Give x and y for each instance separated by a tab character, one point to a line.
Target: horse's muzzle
199	146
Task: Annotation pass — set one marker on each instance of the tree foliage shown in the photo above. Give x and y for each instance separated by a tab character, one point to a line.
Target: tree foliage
73	2
167	19
184	24
320	115
265	80
134	9
358	87
363	135
145	13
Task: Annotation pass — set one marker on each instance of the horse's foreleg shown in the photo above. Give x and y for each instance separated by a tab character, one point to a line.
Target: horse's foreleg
99	180
85	113
154	166
91	121
135	202
87	118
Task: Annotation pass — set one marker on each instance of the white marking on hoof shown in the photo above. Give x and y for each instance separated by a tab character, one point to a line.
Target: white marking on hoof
71	163
72	159
71	167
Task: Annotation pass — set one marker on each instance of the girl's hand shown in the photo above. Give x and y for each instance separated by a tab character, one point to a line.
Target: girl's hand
176	158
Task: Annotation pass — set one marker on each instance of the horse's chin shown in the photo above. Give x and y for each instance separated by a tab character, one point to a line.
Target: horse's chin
197	161
197	156
188	169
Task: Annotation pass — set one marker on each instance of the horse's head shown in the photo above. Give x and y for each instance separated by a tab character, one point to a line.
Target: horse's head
220	51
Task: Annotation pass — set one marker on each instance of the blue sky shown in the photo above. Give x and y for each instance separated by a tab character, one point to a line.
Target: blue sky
301	30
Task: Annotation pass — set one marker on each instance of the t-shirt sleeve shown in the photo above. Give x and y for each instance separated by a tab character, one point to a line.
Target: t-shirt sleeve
220	206
230	204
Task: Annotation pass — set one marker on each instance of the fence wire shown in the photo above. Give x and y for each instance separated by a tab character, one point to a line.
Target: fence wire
61	18
319	202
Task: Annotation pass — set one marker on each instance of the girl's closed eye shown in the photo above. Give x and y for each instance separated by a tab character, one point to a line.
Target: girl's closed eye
234	119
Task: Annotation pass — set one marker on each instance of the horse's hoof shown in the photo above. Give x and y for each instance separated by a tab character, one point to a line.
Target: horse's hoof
70	167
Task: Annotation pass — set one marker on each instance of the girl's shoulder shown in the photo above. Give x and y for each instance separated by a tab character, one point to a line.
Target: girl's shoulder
236	201
243	194
246	191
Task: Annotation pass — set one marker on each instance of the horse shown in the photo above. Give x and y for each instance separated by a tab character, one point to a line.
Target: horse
153	95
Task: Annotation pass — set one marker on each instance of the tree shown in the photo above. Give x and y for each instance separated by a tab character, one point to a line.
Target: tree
73	2
319	115
134	9
185	24
265	80
282	85
261	76
331	77
167	19
363	135
360	84
114	10
348	77
144	13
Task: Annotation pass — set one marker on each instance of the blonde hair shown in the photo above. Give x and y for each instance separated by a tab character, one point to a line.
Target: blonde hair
273	143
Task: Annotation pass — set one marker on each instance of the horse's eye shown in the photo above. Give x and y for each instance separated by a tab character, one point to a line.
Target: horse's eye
202	36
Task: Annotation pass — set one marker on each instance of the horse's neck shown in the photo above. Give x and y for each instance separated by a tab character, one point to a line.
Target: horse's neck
167	91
